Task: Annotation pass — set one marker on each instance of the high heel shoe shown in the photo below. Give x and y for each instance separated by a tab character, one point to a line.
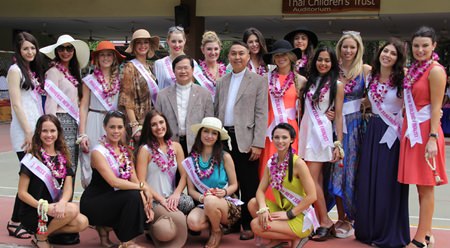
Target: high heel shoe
323	233
103	233
429	240
418	244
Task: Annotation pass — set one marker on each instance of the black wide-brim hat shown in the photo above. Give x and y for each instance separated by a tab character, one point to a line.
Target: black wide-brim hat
281	46
312	37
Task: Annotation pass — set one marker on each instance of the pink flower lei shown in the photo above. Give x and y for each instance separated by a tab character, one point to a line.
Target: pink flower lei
66	73
274	90
350	83
416	71
261	70
303	62
278	171
323	91
203	173
222	69
37	86
58	169
123	158
108	90
160	162
377	92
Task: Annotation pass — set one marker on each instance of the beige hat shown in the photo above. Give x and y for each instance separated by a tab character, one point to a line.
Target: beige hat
144	34
212	123
81	49
164	233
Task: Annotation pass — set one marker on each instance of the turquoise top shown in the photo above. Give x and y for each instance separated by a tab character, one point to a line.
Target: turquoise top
218	178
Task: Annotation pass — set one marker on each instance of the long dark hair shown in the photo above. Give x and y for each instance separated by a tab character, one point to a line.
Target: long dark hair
117	114
35	65
397	69
147	136
74	69
262	42
293	134
60	143
331	76
197	147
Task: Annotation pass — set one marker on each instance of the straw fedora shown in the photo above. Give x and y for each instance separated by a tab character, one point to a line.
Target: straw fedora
144	34
81	49
107	45
312	37
281	46
164	233
212	123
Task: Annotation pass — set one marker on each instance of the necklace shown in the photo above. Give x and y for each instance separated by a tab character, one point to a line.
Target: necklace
416	71
274	90
160	162
351	83
301	63
221	69
203	173
67	74
58	169
123	159
278	171
323	91
261	70
377	89
110	89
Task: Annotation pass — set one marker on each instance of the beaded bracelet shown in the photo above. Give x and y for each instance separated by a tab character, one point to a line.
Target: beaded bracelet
262	210
200	198
133	124
338	144
226	192
80	138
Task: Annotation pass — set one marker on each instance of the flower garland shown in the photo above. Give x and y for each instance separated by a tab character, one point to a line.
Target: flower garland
58	169
123	159
222	69
323	91
66	73
108	90
274	90
278	171
416	71
301	63
378	93
37	86
203	173
160	162
350	83
261	70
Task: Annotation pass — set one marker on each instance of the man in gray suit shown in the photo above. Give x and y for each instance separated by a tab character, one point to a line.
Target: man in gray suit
184	103
241	104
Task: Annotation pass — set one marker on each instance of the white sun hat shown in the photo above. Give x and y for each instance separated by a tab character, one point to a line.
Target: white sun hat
81	49
212	123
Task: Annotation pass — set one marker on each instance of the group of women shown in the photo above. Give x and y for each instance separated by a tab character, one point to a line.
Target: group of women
133	173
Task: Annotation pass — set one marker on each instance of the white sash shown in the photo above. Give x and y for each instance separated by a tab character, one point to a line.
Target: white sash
168	69
414	118
349	108
393	121
44	173
310	218
95	87
189	167
281	114
152	86
169	172
113	163
319	119
204	81
62	100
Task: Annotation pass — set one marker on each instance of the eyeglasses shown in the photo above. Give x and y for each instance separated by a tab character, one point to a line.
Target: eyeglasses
176	28
351	32
69	48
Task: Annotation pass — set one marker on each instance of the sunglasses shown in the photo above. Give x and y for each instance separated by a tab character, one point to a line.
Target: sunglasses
176	28
349	32
69	49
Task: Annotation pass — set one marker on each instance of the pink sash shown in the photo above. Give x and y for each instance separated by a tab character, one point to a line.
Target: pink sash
204	81
414	118
113	164
170	172
62	100
95	87
310	218
43	172
152	86
202	188
168	69
324	134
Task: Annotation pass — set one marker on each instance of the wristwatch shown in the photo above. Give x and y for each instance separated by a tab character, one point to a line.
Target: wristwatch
434	135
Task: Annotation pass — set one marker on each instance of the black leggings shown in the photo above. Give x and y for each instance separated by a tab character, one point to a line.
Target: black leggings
18	203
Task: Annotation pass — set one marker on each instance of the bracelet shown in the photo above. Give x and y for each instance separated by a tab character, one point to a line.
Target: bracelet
226	192
262	210
338	144
80	138
200	198
133	124
141	185
290	214
136	131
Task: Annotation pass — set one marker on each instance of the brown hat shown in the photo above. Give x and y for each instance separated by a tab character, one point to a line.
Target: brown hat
164	233
144	34
107	45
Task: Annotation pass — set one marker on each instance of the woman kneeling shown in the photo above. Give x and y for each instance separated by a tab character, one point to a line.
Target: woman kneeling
291	216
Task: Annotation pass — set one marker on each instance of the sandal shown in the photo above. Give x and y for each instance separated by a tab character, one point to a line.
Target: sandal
301	242
429	240
103	233
35	242
214	239
418	244
19	231
342	232
323	233
129	244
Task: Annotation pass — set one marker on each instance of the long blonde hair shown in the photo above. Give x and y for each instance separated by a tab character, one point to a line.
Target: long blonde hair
356	67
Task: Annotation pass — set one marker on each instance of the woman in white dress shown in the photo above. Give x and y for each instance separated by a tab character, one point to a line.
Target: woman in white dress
257	44
100	95
23	85
322	92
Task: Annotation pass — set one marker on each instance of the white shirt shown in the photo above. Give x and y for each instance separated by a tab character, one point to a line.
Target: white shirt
183	93
235	83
